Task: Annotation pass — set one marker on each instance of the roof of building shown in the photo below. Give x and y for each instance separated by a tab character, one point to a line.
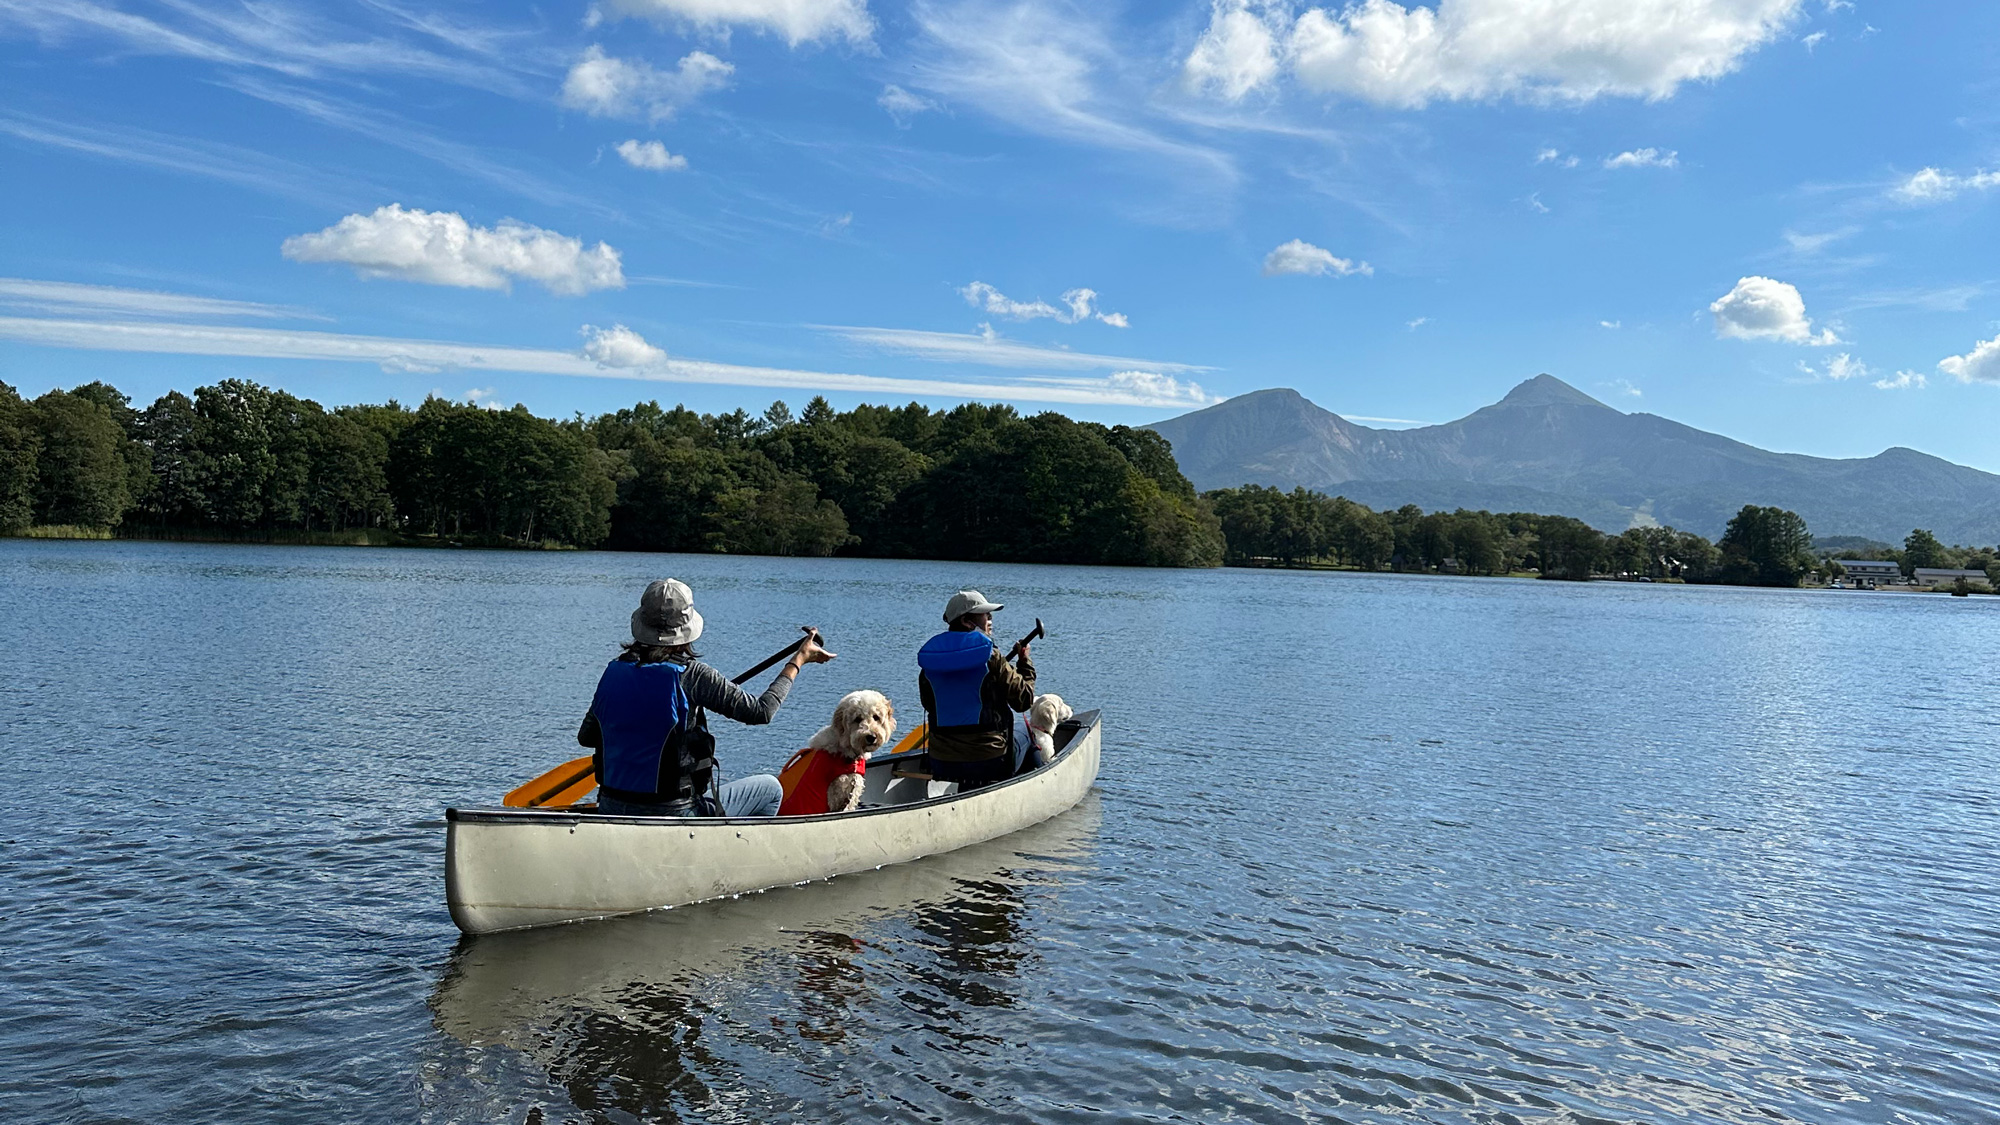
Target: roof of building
1883	565
1946	572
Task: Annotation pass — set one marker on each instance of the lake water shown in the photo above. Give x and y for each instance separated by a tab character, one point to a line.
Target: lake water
1364	848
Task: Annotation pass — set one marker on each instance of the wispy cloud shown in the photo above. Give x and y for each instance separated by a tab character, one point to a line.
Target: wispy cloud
796	21
1078	305
1132	386
72	298
602	85
989	350
1934	186
230	164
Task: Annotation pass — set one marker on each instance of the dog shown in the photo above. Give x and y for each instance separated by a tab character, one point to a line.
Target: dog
1047	712
863	722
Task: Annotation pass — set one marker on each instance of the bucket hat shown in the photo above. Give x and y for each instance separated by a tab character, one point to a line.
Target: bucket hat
968	601
666	614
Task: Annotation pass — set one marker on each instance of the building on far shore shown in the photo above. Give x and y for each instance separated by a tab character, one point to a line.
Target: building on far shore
1944	576
1872	570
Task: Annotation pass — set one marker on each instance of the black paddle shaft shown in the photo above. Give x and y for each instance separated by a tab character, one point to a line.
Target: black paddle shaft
1035	633
812	634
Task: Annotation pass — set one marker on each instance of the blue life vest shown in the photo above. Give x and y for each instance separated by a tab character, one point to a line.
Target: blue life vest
955	664
656	747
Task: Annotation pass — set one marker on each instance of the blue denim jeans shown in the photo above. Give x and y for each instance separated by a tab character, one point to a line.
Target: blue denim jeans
756	795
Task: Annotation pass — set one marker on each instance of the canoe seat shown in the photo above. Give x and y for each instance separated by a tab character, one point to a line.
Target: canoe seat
912	771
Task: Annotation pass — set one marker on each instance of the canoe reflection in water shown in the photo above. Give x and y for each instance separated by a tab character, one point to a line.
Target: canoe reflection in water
742	1006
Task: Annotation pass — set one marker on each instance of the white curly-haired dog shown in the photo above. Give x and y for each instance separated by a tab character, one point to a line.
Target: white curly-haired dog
1047	712
863	722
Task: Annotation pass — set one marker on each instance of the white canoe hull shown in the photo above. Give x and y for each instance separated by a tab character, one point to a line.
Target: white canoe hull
509	869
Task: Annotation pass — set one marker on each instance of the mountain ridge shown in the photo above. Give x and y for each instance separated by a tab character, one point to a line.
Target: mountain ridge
1548	447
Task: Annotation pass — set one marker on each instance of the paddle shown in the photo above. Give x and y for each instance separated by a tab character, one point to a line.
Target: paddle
570	782
1024	642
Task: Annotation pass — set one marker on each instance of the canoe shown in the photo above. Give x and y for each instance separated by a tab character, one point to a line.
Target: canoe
510	869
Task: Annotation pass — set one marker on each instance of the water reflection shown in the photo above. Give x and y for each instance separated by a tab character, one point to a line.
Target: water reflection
676	1013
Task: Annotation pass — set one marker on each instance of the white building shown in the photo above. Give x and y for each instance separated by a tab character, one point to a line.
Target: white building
1871	570
1943	576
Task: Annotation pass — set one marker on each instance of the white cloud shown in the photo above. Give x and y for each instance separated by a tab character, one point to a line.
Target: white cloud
1625	387
1301	257
619	346
1813	40
1151	387
71	298
1902	381
1980	365
989	349
652	156
1808	244
797	21
1760	308
1535	203
1555	157
902	105
1643	158
1237	54
1417	323
603	86
1838	368
485	397
1572	51
1611	324
435	355
441	248
1934	186
1079	305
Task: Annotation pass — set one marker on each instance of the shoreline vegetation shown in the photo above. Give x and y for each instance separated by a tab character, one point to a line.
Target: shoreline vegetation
237	462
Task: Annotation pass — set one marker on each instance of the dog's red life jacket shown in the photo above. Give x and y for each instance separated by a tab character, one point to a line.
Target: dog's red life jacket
806	777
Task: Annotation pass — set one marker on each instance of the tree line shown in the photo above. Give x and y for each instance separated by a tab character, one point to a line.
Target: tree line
1761	546
974	482
1921	548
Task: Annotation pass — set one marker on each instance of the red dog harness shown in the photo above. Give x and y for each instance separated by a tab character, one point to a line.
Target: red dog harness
806	777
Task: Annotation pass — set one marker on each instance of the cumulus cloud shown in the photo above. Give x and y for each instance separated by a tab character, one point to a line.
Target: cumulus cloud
1237	54
1760	308
903	106
1934	186
1301	257
619	346
1161	390
441	248
1643	158
1555	157
796	21
652	156
1903	381
603	86
1838	368
1980	365
1078	305
1385	52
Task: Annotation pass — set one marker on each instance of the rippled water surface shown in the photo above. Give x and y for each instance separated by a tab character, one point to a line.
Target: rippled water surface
1364	848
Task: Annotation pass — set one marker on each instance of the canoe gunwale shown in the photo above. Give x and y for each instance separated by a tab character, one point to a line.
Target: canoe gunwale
1083	722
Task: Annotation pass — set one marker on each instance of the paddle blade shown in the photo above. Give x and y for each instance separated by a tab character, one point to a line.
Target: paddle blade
564	785
913	739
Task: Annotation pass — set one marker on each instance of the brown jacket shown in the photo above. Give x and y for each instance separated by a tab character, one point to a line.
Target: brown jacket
1008	688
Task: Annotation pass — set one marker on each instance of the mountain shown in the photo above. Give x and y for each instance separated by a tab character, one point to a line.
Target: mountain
1548	447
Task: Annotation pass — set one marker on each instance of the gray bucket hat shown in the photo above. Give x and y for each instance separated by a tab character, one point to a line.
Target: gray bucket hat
968	601
666	614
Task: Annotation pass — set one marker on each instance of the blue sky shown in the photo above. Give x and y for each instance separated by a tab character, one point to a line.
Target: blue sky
1770	218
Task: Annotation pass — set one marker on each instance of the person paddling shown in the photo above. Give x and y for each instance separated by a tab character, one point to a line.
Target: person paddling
969	690
648	724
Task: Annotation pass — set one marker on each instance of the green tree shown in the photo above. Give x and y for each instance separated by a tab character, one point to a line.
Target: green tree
83	477
1569	548
20	451
1766	547
1921	548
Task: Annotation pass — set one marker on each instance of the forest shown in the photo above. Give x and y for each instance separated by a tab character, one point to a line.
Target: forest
976	482
240	460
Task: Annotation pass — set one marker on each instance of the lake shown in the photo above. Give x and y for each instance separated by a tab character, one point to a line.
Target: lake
1364	848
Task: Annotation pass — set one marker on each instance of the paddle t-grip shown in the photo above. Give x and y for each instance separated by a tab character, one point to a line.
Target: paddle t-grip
1036	633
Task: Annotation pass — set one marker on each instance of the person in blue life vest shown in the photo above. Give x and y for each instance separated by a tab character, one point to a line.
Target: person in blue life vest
970	692
648	720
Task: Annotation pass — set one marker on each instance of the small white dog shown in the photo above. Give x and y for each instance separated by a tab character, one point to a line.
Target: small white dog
1044	716
863	722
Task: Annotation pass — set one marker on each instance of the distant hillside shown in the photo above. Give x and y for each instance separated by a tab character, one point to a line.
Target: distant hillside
1548	447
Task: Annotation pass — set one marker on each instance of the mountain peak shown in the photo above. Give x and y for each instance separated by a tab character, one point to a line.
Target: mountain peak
1547	390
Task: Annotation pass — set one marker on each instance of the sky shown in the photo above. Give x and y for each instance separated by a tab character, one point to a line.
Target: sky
1774	219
